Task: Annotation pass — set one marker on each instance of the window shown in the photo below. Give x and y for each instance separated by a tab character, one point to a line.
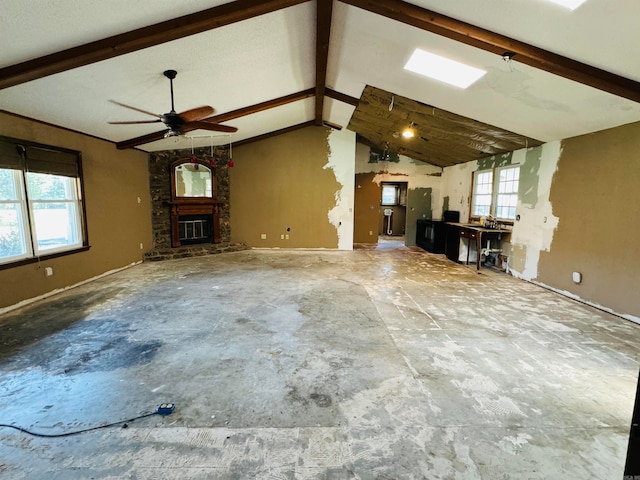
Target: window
394	194
41	211
495	192
390	194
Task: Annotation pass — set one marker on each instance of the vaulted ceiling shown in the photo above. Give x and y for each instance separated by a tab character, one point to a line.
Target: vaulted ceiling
277	65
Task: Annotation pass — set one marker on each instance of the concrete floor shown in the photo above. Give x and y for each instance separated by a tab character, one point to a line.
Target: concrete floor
388	363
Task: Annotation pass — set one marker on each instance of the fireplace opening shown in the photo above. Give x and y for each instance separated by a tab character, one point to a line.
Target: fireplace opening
194	229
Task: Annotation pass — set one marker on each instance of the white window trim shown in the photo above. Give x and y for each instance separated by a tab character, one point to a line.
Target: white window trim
494	192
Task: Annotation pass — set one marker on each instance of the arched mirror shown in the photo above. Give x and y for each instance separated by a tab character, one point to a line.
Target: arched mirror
193	180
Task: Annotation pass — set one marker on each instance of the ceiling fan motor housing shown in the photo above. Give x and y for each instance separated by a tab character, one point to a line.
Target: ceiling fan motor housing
173	121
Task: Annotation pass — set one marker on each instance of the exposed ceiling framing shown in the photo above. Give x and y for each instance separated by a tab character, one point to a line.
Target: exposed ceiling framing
441	138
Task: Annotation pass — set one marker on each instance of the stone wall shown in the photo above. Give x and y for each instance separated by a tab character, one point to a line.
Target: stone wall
160	188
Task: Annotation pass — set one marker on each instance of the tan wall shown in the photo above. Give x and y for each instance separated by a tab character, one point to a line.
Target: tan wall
595	194
279	183
117	223
367	208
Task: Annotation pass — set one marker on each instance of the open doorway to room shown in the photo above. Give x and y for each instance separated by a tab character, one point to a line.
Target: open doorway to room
393	212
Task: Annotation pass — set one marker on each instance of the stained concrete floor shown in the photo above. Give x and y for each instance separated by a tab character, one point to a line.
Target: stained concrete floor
371	364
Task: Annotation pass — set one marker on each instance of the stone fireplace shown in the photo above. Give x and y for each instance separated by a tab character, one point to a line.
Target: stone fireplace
198	221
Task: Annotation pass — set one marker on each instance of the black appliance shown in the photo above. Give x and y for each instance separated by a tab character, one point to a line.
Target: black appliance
431	235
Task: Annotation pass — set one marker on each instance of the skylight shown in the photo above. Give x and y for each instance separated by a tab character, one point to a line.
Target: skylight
443	69
570	4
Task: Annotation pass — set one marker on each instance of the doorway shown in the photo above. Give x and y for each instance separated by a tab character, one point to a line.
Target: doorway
393	210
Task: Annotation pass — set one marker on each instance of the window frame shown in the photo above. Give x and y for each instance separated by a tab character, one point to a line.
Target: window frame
495	193
24	157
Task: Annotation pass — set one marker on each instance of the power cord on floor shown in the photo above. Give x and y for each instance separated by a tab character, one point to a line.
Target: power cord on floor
164	409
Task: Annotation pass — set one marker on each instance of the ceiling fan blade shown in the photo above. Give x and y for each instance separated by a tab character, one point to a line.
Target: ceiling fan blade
210	126
197	113
134	122
136	109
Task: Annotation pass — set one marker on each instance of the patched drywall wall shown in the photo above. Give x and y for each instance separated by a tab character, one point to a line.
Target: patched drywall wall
423	189
456	189
342	152
595	193
286	189
578	206
118	208
533	233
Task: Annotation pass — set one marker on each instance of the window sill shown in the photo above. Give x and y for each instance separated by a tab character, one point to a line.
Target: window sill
27	261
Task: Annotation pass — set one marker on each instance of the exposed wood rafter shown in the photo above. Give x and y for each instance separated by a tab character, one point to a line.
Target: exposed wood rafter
323	33
341	97
495	43
139	39
274	133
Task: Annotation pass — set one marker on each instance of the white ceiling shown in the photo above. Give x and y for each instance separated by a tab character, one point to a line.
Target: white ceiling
273	55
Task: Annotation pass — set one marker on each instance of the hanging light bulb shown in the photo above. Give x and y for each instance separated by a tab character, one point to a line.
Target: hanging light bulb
409	132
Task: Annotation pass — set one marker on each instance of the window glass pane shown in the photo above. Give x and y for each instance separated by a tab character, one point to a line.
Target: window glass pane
482	193
42	186
8	184
55	211
12	233
389	195
56	225
13	223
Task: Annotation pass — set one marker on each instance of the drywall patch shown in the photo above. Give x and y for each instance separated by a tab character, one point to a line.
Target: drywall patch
495	161
529	177
534	231
456	181
341	159
421	198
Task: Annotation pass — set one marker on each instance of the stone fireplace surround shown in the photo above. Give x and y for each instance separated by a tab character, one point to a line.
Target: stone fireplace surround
160	190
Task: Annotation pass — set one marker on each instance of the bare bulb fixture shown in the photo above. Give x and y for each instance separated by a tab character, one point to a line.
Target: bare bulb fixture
409	132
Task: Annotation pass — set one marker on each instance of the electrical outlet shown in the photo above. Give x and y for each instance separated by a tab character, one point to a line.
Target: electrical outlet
287	237
48	271
141	246
263	236
282	236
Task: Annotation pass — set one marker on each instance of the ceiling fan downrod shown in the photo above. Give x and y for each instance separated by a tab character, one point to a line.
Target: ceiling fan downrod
171	74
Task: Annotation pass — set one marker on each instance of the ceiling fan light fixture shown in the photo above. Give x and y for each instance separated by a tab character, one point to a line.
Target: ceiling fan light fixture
171	133
443	69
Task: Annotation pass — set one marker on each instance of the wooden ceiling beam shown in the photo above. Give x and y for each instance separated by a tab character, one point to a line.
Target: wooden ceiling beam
323	34
259	107
499	44
341	97
139	39
274	133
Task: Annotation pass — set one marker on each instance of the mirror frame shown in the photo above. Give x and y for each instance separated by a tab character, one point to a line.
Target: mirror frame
189	160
